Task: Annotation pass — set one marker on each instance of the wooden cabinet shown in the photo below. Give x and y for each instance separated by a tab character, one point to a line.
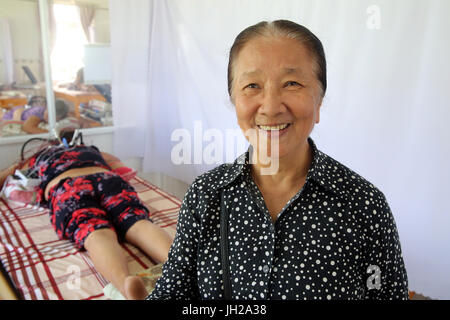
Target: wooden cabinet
9	102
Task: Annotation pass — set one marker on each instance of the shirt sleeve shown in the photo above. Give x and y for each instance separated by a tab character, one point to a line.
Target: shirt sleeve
384	266
179	276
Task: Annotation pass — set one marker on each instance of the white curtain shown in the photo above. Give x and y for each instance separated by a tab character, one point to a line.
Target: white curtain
385	114
6	53
130	53
87	14
51	23
51	31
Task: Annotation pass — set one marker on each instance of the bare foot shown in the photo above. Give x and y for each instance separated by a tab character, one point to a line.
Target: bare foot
135	288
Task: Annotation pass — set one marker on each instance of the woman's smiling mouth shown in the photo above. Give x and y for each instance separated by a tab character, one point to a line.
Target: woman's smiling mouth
274	130
274	127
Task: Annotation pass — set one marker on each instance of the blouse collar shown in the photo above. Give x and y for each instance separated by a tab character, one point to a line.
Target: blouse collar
322	172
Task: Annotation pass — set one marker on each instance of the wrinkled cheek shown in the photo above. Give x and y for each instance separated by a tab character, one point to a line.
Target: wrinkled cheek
304	129
307	118
250	133
245	120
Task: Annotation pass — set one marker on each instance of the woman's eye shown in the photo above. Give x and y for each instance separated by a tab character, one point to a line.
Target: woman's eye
252	86
292	83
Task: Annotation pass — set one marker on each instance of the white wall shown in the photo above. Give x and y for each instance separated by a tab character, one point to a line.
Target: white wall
102	28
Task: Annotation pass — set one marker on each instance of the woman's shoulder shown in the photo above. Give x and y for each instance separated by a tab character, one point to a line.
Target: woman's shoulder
203	190
347	181
215	178
209	183
363	200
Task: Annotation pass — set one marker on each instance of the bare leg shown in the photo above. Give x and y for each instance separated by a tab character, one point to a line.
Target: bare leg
109	259
151	239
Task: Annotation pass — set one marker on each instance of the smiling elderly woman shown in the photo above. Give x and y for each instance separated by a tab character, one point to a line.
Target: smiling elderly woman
313	228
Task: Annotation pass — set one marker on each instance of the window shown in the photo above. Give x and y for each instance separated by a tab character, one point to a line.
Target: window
69	44
87	104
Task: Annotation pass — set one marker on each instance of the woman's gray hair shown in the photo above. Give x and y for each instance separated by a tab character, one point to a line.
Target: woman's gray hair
281	28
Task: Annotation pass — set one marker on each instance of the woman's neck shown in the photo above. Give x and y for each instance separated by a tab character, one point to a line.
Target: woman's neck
292	168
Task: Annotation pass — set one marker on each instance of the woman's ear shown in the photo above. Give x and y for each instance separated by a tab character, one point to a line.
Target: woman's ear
317	111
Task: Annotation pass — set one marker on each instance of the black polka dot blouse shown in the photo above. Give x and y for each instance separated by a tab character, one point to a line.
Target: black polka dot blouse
335	239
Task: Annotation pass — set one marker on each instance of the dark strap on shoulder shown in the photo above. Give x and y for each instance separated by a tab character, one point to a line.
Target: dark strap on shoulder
224	248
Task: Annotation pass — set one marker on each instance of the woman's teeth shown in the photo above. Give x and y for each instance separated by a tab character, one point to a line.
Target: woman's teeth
271	128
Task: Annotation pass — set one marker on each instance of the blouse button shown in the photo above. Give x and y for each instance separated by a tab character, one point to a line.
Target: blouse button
266	269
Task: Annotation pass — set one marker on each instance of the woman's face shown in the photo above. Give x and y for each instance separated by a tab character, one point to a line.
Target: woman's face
276	93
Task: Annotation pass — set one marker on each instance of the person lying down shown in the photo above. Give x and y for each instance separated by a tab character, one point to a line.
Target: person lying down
92	206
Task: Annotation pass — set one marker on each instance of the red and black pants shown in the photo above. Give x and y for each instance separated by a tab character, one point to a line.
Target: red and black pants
80	205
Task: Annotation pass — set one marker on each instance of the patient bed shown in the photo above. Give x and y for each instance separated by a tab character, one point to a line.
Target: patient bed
43	267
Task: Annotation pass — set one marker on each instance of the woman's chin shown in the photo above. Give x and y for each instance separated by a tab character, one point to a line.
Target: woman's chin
271	154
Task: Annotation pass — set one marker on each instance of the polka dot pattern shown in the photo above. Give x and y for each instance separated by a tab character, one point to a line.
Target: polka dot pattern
320	247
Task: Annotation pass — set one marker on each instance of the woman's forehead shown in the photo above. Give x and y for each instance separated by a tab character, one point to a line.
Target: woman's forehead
286	55
284	70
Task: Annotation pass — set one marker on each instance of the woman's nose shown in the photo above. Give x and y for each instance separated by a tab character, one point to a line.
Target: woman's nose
272	103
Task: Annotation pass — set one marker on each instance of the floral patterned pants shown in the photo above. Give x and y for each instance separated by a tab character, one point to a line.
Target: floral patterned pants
80	205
